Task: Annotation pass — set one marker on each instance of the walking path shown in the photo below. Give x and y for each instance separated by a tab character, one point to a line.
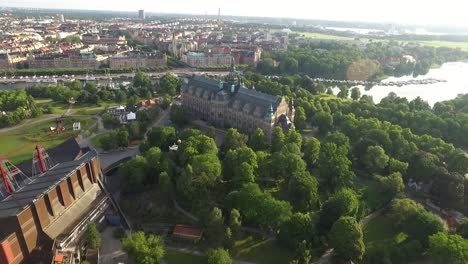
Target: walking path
194	252
36	120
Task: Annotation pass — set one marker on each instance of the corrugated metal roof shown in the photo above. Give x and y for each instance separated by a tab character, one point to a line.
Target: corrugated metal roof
39	186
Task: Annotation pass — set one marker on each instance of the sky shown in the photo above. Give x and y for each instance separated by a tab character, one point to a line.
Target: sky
419	12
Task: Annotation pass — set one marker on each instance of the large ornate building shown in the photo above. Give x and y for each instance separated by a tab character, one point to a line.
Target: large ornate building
230	104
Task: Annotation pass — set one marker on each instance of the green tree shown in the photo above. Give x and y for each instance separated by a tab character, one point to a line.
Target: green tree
218	256
289	65
300	227
235	222
141	80
233	161
311	149
259	207
343	93
335	166
444	248
300	118
233	140
162	137
93	236
277	139
346	238
393	184
165	185
206	169
215	227
257	141
375	158
397	166
355	93
121	138
107	141
245	175
464	228
343	203
324	121
134	174
414	220
169	84
178	115
303	191
144	249
196	145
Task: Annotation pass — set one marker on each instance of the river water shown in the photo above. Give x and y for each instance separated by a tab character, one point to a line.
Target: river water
455	73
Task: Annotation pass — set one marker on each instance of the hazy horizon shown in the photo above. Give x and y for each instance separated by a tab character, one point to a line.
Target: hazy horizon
416	12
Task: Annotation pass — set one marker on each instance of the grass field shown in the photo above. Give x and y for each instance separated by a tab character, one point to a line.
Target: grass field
96	140
448	44
181	258
15	143
261	251
379	230
55	107
79	109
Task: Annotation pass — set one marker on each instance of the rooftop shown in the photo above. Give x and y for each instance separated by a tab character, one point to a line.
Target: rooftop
39	186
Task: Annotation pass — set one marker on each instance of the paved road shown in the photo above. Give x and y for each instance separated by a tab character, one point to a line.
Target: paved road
182	72
111	248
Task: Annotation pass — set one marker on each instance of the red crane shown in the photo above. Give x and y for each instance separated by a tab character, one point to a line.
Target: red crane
13	177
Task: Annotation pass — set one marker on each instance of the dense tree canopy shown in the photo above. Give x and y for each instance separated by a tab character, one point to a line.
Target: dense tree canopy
444	248
346	238
144	249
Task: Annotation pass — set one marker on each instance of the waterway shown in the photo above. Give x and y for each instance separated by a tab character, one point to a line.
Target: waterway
455	73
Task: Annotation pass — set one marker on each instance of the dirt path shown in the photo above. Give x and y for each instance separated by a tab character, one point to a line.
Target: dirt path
199	253
35	121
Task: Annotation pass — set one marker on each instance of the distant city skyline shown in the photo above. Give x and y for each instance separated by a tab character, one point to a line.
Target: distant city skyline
418	12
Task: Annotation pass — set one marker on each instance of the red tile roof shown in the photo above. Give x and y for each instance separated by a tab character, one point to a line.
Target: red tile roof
187	232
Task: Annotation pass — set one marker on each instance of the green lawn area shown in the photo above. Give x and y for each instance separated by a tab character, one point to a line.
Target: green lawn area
261	251
380	230
55	107
448	44
91	109
38	134
371	193
96	140
181	258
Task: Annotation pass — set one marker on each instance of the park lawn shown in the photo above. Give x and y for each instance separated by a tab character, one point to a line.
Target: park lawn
322	36
173	257
55	107
261	251
91	109
380	231
448	44
96	140
371	193
15	143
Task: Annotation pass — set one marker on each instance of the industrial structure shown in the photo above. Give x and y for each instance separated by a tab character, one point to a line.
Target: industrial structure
49	208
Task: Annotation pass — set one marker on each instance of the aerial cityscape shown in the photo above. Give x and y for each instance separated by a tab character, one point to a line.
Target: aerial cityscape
233	133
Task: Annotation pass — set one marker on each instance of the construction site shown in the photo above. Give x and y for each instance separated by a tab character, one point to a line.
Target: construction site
47	202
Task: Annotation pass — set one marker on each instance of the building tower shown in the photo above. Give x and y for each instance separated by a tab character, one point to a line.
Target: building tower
141	14
174	45
219	16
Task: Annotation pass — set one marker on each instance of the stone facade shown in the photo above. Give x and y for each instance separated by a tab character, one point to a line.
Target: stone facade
136	61
230	104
